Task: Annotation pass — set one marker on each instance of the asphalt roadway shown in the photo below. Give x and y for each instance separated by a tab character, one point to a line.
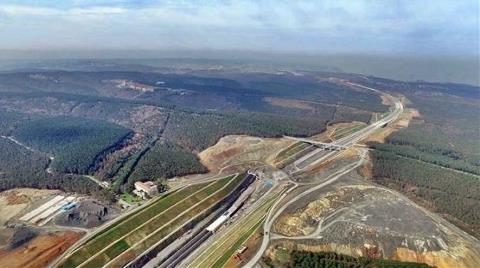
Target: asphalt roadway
345	142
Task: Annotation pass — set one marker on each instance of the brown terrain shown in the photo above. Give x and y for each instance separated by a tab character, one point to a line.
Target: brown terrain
241	149
290	103
252	244
358	218
47	242
40	251
402	122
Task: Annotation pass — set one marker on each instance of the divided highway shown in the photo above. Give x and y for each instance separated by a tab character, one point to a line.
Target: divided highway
320	155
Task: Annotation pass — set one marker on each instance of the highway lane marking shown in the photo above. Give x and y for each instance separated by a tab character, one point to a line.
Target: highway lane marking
252	215
240	221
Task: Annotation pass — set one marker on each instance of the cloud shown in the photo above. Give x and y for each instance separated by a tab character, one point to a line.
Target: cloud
18	10
22	11
328	25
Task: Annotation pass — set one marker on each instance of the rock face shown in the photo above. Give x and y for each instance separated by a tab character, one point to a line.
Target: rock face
87	214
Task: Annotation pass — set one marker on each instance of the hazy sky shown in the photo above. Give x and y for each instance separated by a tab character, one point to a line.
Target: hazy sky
413	27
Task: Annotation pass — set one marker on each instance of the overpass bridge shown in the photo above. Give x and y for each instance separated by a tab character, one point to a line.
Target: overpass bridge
323	145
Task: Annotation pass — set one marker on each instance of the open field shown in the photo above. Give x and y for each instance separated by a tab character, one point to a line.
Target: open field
222	249
240	149
127	238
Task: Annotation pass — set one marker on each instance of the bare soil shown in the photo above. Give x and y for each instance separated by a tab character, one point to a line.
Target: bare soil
14	202
239	149
402	122
39	251
252	244
360	219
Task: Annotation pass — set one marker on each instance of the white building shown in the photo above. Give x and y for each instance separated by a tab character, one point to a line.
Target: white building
144	189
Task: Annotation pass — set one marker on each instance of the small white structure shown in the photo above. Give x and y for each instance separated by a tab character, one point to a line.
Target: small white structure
144	189
217	223
241	249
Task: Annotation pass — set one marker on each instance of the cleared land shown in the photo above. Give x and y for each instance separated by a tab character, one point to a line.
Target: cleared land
39	251
127	239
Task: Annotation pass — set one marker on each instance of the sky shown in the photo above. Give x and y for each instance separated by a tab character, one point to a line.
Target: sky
420	27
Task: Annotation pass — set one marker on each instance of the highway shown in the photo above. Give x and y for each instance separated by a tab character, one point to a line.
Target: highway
320	155
327	151
186	250
192	244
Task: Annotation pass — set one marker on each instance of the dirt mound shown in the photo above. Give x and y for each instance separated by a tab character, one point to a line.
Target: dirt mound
88	214
21	236
15	198
39	251
239	149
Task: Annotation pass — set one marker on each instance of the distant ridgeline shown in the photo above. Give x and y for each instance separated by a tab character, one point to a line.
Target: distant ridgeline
124	126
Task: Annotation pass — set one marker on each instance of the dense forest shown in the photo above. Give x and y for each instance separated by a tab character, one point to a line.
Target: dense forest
436	159
305	259
20	167
198	91
445	157
76	143
197	131
17	161
165	160
92	124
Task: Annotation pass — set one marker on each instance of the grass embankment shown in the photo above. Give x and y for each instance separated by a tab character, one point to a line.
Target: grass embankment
347	131
221	262
222	249
291	150
179	216
121	236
